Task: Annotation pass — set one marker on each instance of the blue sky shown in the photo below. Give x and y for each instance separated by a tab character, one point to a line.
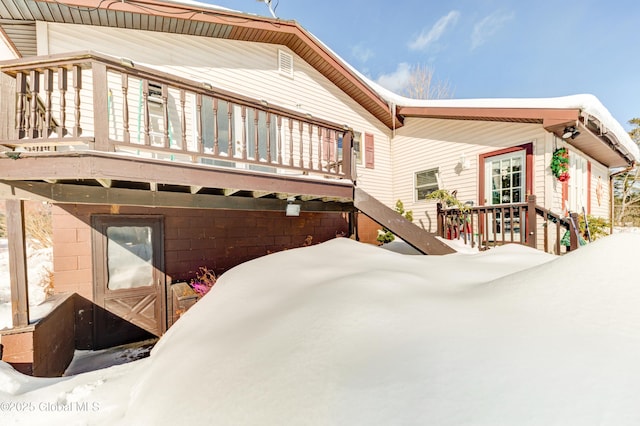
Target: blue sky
484	48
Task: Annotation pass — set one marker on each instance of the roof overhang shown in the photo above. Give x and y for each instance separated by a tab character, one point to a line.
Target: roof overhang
592	140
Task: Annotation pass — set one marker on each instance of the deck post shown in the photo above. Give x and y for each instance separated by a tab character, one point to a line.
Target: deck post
347	155
100	106
439	220
17	263
532	231
574	237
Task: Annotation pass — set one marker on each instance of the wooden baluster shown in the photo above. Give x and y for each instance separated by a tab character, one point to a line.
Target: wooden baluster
244	133
256	135
321	154
62	88
183	120
21	90
279	143
301	143
216	142
48	90
503	224
124	77
231	146
199	120
290	141
165	117
34	78
558	237
268	137
311	166
511	223
77	87
145	112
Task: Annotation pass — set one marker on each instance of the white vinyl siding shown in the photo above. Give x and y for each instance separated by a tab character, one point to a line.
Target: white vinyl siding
437	143
578	182
254	73
599	190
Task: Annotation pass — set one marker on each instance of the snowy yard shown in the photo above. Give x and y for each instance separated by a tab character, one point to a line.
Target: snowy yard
39	266
346	333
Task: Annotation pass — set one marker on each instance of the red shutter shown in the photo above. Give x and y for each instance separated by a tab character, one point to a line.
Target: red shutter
368	151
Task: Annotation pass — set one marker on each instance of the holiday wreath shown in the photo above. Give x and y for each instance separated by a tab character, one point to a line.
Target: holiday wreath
560	164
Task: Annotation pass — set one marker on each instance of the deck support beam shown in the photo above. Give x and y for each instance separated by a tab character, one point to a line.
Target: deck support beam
17	263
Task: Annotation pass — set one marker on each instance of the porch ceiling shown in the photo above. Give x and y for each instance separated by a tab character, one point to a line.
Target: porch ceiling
151	15
98	178
603	148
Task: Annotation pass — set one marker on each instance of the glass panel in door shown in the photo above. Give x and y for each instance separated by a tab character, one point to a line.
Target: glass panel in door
505	185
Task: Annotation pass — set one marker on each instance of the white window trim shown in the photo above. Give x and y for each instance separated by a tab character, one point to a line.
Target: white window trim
415	181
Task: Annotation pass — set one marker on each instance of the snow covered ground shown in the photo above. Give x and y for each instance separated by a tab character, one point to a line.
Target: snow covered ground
346	333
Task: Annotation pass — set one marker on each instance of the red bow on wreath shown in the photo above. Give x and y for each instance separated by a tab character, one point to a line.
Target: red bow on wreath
560	164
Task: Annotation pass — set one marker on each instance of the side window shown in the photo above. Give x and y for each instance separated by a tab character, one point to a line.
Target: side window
368	151
425	183
357	146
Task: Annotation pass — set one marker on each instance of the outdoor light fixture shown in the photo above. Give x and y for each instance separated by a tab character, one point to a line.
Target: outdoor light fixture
292	209
264	103
464	163
570	132
127	62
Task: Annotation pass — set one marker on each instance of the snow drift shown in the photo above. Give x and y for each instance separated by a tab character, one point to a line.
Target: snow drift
345	333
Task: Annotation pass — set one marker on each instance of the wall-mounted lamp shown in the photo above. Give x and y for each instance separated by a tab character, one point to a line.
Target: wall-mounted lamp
127	62
570	132
264	103
464	162
292	209
207	86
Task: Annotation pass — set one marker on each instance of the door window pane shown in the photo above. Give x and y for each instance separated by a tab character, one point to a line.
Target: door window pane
507	181
129	257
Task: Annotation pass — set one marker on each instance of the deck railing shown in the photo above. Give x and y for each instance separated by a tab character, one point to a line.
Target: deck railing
92	101
520	223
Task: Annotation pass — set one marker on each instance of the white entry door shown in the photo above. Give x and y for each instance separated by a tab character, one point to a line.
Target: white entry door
505	183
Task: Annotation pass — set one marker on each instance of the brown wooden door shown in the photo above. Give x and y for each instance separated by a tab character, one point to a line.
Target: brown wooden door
129	290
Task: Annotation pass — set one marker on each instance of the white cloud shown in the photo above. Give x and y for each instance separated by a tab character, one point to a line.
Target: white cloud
488	26
361	53
396	80
428	36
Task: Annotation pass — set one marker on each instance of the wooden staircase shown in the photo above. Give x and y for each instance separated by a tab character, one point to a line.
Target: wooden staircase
423	241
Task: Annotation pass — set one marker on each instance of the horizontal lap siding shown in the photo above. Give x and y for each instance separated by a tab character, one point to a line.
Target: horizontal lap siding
434	143
250	69
600	198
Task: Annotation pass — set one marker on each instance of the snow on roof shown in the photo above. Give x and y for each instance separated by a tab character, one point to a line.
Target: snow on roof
586	103
201	5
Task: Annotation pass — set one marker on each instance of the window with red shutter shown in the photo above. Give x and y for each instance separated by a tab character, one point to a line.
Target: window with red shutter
368	151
